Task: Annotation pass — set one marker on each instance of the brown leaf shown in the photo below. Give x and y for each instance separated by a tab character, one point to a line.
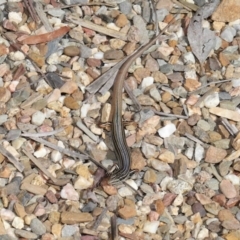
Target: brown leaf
46	37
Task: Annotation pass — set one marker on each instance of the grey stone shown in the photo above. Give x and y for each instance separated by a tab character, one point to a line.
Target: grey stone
228	105
180	219
140	24
86	52
59	13
89	207
125	7
166	68
69	230
3	118
224	96
25	234
201	134
6	237
146	11
223	143
146	188
37	226
224	167
200	3
228	33
129	221
68	2
161	14
112	202
14	186
204	125
13	134
213	184
180	91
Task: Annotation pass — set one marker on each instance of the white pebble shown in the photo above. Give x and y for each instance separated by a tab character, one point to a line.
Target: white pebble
151	227
147	81
41	152
212	100
113	26
7	214
167	130
38	118
16	56
235	180
188	58
236	82
18	223
98	55
178	200
124	192
15	17
132	183
84	110
83	183
56	156
199	153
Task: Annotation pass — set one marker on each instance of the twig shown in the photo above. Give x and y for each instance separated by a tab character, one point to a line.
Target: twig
60	149
89	157
210	91
87	131
208	84
138	106
100	218
29	5
11	158
194	139
83	4
114	230
44	134
59	182
16	47
231	128
169	115
97	28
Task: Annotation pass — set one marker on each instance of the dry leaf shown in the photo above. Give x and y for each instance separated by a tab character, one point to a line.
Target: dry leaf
46	37
202	40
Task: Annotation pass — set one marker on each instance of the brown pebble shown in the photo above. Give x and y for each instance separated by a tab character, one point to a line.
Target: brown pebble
215	155
71	51
71	103
159	205
75	217
138	162
113	54
228	189
93	62
127	212
121	20
5	95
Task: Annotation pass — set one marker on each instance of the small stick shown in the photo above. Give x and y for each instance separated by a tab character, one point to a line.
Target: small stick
58	182
12	159
44	134
114	230
170	115
100	218
84	4
210	91
208	84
